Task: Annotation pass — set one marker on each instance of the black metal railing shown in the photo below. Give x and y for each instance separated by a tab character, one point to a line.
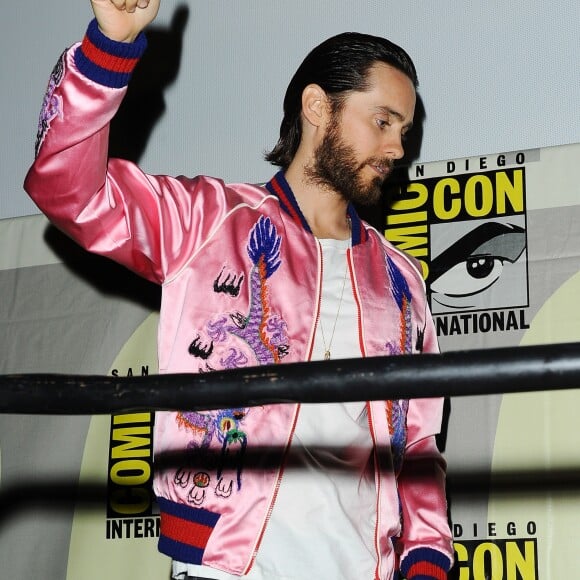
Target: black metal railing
460	373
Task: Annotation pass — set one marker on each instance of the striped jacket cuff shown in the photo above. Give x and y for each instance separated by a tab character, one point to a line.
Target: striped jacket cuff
185	531
105	61
425	564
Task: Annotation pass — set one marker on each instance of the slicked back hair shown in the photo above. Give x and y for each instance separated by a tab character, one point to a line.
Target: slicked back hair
339	65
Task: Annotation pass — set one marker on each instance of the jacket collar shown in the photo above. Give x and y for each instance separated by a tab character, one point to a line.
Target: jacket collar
279	187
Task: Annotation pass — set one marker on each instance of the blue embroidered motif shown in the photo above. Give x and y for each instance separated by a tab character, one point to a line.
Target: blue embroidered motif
397	410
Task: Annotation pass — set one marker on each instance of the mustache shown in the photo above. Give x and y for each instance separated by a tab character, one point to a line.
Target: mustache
385	164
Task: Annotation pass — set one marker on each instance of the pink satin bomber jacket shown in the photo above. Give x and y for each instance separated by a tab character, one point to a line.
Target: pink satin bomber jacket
241	280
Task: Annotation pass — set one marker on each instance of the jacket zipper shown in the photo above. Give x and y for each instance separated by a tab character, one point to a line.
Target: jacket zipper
369	413
350	263
378	488
318	300
289	443
275	494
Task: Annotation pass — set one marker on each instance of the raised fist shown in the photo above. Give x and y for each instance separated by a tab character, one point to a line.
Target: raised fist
123	20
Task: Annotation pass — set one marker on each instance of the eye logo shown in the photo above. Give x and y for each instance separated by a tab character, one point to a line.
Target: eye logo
482	266
468	231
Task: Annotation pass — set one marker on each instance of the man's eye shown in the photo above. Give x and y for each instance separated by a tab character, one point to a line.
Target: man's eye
382	123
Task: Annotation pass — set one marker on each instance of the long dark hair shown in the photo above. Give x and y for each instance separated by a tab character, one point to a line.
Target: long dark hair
338	65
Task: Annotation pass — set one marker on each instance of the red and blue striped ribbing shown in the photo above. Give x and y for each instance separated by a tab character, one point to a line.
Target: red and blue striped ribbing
282	190
184	531
279	187
108	62
425	564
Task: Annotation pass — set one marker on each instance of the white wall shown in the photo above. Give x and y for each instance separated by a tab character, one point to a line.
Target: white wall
496	76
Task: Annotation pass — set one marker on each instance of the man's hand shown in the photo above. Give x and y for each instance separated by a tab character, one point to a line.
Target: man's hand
123	20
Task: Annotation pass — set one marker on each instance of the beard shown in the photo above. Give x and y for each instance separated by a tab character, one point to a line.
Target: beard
335	167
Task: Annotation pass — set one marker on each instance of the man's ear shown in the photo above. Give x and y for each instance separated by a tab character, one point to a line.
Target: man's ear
315	105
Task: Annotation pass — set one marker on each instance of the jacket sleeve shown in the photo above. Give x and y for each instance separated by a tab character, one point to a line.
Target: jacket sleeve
426	545
151	224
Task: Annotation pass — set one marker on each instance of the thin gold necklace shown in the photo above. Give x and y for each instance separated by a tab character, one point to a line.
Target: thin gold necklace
329	346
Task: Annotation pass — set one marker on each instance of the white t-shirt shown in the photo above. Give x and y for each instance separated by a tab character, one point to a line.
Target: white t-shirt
322	524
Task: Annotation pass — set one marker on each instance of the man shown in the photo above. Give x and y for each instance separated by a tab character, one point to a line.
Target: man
257	275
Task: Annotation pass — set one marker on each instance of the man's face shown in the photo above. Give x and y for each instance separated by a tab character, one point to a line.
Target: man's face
364	138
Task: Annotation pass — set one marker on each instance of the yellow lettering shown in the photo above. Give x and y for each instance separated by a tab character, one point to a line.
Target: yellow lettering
132	418
407	238
505	189
480	570
419	200
462	556
130	472
411	240
478	196
446	209
134	445
130	501
520	566
407	218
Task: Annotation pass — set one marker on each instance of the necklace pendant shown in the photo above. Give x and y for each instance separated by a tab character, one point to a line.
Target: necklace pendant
326	355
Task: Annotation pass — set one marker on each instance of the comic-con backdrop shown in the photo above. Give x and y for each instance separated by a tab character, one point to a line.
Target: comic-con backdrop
498	241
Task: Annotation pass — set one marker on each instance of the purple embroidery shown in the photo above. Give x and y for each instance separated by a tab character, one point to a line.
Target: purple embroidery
234	360
276	327
264	251
266	336
216	329
51	104
265	333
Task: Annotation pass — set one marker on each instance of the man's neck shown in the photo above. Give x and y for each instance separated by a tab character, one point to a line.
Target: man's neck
324	209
